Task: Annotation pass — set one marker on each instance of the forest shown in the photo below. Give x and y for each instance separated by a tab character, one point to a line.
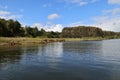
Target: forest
13	28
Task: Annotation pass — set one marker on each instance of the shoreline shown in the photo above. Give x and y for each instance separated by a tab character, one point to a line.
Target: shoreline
11	41
6	41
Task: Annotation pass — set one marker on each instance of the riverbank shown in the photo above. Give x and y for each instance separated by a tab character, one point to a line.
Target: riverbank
6	41
85	39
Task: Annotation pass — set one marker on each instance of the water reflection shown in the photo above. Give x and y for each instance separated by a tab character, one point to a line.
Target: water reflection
53	50
110	50
52	54
84	60
83	46
9	56
83	50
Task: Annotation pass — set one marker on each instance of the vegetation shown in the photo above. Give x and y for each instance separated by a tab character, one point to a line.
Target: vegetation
87	31
11	28
13	41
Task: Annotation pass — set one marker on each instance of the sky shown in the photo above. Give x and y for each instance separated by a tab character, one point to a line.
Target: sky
54	15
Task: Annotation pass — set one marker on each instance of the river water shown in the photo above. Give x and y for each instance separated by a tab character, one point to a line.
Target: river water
80	60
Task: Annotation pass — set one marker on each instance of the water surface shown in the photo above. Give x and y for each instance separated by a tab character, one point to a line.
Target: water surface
82	60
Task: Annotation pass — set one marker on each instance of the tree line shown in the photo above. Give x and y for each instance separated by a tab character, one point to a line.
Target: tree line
12	28
87	31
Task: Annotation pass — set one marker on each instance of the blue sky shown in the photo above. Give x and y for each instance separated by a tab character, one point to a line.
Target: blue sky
57	14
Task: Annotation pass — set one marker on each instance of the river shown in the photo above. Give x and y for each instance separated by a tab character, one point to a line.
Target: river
80	60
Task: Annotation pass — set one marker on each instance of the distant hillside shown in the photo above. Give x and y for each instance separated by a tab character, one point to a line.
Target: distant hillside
87	31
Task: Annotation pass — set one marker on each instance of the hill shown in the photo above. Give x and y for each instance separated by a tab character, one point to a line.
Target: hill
87	31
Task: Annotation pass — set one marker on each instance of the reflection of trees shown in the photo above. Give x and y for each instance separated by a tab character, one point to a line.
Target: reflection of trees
30	54
12	55
9	55
30	50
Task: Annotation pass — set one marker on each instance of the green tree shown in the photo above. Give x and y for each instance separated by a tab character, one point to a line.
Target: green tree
53	34
42	32
17	29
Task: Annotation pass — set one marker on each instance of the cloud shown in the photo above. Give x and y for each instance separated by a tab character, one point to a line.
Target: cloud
109	20
9	15
76	24
114	11
83	3
4	13
110	25
49	27
79	2
55	27
47	5
100	18
53	16
114	2
39	25
15	16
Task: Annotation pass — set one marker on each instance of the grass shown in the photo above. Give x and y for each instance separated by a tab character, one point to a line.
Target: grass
20	39
84	38
28	41
25	40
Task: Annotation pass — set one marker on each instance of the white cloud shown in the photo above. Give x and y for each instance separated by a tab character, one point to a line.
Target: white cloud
4	13
100	18
39	25
79	2
57	27
75	24
12	16
109	20
9	15
53	16
114	2
110	25
15	16
114	11
83	3
49	27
